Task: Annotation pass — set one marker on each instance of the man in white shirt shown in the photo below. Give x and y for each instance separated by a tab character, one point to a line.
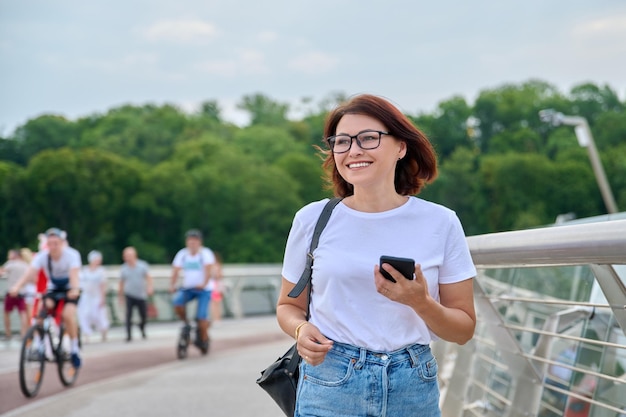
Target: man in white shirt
196	262
61	265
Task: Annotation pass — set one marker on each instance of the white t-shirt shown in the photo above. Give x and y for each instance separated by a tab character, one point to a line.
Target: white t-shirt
91	281
193	266
345	305
70	258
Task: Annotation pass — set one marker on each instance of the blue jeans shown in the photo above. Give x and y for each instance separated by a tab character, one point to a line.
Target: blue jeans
357	382
185	295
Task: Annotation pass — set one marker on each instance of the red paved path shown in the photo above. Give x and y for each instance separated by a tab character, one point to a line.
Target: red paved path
109	365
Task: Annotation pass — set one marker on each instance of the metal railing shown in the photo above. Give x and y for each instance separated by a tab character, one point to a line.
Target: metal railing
551	330
250	289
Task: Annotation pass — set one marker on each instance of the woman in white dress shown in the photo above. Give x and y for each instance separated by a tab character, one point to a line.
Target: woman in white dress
92	311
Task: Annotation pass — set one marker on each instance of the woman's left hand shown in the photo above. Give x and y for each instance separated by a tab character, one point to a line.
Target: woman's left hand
410	292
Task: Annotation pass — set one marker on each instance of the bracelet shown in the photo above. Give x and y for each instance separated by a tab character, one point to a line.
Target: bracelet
297	332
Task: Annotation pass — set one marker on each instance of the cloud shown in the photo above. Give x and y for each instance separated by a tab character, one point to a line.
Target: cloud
313	63
613	26
246	62
266	36
221	67
128	62
180	31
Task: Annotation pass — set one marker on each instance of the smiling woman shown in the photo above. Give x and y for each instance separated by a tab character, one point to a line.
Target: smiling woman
366	341
419	165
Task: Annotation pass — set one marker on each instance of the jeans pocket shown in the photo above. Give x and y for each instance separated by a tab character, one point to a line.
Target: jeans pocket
428	368
334	371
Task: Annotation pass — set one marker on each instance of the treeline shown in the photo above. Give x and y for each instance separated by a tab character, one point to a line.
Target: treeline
142	175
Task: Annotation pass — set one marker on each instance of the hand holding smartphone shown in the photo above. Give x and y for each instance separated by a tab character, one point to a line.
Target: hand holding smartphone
406	266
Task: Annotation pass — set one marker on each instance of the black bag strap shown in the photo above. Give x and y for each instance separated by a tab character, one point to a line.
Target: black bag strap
50	266
322	221
305	278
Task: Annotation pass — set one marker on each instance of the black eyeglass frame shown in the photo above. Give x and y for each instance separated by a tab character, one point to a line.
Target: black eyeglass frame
331	140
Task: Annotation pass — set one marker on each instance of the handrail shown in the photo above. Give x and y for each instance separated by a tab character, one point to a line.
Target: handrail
600	246
591	243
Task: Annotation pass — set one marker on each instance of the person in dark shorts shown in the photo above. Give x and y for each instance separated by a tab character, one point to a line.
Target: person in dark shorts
61	265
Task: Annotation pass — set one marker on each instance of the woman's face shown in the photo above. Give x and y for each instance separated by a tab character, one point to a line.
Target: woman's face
368	167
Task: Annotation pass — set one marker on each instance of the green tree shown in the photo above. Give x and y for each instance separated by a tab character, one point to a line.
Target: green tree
447	126
590	101
44	132
263	110
307	173
266	143
10	230
520	140
459	187
515	106
85	192
148	133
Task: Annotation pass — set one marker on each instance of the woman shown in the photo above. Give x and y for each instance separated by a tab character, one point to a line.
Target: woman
92	304
366	344
30	290
217	295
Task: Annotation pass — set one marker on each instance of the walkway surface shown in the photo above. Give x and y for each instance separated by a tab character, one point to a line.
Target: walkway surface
144	378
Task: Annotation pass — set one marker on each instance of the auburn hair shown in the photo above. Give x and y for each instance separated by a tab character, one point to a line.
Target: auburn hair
418	167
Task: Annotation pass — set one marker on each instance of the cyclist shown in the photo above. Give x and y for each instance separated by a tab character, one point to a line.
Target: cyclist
196	261
61	265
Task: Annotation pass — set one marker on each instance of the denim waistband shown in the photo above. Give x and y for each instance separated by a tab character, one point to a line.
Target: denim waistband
362	355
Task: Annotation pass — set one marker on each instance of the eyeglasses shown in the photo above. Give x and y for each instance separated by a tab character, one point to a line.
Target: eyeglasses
367	139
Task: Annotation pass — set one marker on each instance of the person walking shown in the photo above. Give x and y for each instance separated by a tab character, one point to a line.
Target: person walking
135	287
92	305
217	294
30	289
13	270
365	347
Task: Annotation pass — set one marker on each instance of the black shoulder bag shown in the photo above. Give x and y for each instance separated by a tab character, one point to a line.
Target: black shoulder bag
280	379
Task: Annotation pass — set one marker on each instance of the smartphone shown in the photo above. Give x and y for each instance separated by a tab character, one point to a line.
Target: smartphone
406	266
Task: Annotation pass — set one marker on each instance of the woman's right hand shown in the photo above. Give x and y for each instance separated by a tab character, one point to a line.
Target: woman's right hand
313	345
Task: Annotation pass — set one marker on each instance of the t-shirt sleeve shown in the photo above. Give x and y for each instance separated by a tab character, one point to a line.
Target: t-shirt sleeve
178	259
208	257
75	261
457	263
39	261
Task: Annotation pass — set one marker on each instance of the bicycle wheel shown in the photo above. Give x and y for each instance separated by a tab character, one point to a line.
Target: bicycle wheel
32	361
67	372
183	342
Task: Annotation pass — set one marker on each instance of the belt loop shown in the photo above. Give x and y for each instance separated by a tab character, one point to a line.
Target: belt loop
362	357
413	355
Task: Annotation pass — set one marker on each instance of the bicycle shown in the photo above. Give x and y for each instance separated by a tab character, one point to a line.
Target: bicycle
46	342
184	340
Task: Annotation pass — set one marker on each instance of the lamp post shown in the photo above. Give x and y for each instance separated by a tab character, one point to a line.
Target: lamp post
585	139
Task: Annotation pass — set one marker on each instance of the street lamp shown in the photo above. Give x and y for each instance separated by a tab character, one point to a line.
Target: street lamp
585	139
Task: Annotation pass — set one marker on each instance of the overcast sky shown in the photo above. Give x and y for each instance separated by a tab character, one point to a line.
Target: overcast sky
75	58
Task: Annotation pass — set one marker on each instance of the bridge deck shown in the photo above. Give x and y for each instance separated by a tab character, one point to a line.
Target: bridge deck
144	378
